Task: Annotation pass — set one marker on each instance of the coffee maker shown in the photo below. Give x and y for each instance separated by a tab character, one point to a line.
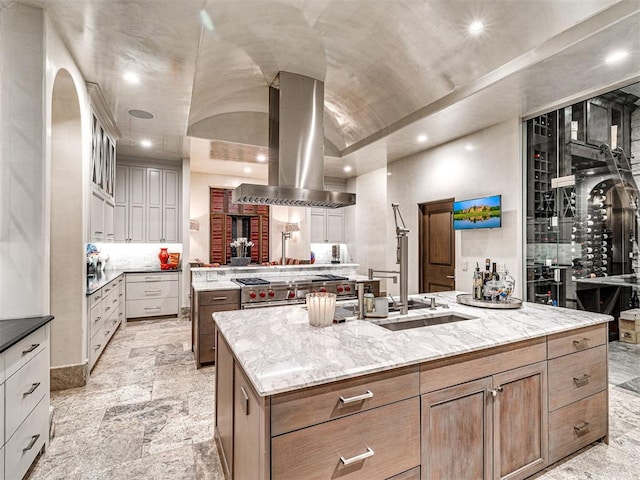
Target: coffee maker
335	253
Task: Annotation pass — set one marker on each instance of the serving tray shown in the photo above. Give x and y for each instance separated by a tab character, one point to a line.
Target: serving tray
467	299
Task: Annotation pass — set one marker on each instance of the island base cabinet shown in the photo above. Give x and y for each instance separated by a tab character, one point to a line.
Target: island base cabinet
357	447
456	432
491	428
520	419
224	404
577	425
249	444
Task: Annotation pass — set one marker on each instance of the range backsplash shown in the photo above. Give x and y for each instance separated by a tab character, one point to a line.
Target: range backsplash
124	256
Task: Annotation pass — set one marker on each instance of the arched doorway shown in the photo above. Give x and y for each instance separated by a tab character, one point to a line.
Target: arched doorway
67	255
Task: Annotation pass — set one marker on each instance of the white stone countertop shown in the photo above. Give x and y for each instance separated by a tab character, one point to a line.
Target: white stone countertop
204	286
281	352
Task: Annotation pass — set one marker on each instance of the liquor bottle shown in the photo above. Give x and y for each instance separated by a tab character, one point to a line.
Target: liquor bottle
477	283
494	272
549	299
487	272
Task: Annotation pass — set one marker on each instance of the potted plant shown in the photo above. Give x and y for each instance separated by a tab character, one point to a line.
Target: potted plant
241	245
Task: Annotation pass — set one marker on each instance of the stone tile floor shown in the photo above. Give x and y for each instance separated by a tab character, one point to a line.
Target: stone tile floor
147	413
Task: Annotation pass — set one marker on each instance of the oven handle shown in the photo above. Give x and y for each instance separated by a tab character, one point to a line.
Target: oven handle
276	303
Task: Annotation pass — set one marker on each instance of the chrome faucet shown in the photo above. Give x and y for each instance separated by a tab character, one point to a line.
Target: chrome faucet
402	259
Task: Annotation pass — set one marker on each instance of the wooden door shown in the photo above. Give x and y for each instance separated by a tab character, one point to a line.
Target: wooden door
457	432
217	245
520	422
437	248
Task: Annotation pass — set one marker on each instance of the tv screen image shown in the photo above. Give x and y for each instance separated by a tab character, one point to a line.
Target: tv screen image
485	212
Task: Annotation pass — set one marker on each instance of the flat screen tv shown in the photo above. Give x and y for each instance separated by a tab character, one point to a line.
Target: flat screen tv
485	212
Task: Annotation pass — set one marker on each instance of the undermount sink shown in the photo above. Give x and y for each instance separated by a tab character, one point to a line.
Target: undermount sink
425	321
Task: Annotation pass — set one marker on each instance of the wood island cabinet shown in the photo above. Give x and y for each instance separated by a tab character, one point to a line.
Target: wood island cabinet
202	328
505	412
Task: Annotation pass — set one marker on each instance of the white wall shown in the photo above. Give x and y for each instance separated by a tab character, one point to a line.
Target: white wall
23	246
69	329
199	208
487	162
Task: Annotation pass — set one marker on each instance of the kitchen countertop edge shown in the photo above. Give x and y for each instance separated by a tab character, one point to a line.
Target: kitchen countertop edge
19	328
311	356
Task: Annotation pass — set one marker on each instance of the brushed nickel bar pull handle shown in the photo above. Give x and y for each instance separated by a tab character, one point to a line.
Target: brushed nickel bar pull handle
245	401
97	319
581	381
582	429
153	292
451	276
107	308
357	458
152	279
32	389
107	333
97	347
33	441
357	398
115	300
31	348
152	308
584	343
219	298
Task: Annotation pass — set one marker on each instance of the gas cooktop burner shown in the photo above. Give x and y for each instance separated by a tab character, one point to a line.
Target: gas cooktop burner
252	281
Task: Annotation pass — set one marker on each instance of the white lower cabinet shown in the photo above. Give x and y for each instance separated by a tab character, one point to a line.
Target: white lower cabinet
24	403
150	295
23	447
106	312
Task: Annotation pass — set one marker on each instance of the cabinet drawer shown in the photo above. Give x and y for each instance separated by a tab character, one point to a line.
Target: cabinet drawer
574	377
290	411
446	372
413	474
207	348
576	340
95	298
576	425
98	343
96	319
22	448
152	277
206	324
152	307
144	290
25	350
219	297
318	452
25	389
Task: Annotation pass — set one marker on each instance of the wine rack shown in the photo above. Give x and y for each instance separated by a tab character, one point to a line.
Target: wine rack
591	238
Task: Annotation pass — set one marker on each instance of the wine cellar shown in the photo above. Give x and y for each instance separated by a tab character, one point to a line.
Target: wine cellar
582	204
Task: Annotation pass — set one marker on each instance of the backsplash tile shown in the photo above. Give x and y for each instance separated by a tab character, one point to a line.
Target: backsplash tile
135	255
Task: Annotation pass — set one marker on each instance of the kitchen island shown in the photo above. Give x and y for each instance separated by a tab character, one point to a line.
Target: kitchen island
516	390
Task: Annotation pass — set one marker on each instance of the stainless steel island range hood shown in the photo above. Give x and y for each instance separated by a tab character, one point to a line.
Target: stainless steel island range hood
296	149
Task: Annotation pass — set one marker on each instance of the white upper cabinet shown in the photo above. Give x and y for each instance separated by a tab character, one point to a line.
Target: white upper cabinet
104	134
147	204
327	225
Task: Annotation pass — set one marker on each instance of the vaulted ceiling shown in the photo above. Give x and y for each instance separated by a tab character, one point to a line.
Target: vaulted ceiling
393	69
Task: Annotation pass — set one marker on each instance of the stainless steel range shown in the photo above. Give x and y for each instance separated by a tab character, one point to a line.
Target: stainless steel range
258	292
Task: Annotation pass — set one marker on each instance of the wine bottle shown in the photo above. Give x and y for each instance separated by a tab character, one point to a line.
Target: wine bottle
494	272
477	283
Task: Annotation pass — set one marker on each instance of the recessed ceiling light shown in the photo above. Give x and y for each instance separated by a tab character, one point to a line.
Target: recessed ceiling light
422	138
347	168
261	158
616	56
476	27
246	169
591	172
206	20
131	77
389	174
469	147
143	114
145	143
